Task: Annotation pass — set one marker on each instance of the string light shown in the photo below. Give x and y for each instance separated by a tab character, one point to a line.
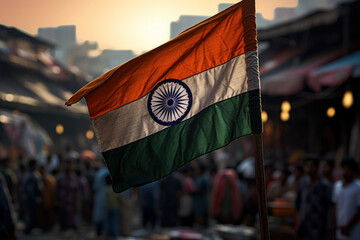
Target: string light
264	116
59	129
285	106
284	116
348	99
89	134
330	112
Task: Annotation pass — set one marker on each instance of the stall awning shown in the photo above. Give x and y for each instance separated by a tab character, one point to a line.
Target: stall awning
292	79
279	59
36	92
335	73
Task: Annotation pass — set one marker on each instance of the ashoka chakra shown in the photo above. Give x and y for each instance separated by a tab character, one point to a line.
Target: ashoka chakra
169	102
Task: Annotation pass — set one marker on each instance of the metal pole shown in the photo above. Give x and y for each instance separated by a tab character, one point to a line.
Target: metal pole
260	186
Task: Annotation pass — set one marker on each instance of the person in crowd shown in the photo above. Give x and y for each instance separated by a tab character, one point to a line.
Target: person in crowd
243	188
169	192
186	211
346	199
313	201
279	187
7	226
269	174
250	212
10	177
84	193
113	204
129	200
292	182
32	193
327	170
294	178
68	189
201	195
21	201
226	199
46	213
89	202
148	197
99	215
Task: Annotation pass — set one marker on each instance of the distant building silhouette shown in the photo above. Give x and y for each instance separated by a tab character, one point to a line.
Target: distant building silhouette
113	58
261	22
95	66
63	37
307	6
223	6
184	22
284	14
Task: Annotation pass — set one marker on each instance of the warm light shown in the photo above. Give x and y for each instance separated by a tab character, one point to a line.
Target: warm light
9	97
59	129
89	134
56	70
264	116
348	99
285	116
4	119
285	106
330	112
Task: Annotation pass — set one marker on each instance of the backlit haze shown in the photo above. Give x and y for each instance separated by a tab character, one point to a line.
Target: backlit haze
138	25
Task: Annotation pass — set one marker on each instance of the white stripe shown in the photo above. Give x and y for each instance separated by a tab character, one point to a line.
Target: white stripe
133	121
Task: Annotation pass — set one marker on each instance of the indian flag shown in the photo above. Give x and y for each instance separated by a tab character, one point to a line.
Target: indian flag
189	96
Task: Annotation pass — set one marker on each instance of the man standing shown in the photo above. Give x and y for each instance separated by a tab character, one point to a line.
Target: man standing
32	195
313	201
68	191
346	198
99	187
169	192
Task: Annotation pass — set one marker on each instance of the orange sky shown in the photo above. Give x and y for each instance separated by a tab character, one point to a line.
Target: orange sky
139	25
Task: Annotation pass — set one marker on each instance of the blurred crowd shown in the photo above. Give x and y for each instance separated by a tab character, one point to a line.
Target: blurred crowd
74	190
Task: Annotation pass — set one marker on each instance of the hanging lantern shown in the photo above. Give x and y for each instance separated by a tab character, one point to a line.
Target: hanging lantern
284	116
59	129
330	112
264	116
89	134
285	106
348	99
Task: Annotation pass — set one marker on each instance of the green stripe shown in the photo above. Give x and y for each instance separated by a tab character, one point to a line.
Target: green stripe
160	154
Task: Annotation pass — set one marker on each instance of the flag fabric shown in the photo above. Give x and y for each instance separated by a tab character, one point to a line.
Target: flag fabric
187	97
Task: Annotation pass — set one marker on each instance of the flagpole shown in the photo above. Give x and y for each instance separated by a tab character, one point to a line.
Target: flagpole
260	186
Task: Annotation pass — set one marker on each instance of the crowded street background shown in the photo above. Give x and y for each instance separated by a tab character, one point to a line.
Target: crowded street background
69	195
54	183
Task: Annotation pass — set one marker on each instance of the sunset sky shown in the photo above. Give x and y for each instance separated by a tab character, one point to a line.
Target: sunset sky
138	25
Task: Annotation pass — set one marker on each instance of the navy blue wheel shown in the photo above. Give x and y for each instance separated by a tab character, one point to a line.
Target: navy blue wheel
169	102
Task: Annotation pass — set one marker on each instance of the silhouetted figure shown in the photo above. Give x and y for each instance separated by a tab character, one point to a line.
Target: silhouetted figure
313	201
201	196
148	197
99	213
346	198
68	189
7	227
169	188
32	194
113	205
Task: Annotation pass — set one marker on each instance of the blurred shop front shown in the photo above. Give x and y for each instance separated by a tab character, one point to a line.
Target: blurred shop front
33	91
310	75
